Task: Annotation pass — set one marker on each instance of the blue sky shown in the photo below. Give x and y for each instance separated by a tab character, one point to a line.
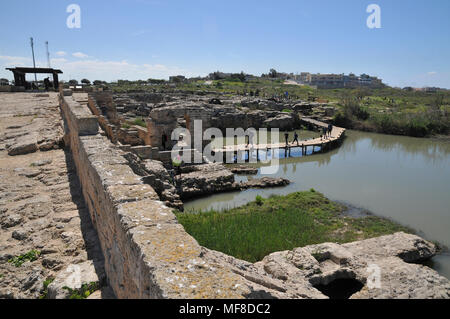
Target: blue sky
141	39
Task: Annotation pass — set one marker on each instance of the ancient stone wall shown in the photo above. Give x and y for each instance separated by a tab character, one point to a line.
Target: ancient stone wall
164	120
102	120
147	252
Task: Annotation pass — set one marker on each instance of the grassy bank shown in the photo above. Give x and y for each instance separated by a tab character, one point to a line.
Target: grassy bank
278	223
396	112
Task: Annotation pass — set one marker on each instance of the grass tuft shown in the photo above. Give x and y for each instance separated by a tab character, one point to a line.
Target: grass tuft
279	223
30	256
82	293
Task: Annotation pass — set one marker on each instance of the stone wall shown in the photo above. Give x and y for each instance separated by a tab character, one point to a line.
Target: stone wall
102	118
147	252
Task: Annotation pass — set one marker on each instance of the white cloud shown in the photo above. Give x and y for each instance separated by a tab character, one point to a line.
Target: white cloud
8	61
95	69
61	53
432	73
80	55
114	70
57	60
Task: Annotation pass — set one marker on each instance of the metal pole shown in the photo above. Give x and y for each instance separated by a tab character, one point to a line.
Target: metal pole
34	63
48	54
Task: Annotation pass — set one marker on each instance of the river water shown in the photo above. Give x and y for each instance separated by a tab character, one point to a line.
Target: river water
404	178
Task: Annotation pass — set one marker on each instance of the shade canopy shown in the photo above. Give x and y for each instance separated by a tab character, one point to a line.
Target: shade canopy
19	75
34	70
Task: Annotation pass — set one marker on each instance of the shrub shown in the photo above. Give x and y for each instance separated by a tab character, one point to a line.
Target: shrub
259	200
47	282
140	122
82	293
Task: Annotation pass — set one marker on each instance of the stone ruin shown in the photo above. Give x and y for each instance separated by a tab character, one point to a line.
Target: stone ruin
140	249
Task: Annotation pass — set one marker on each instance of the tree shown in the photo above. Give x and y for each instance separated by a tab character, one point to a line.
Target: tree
352	108
155	81
438	102
241	76
273	73
4	81
123	82
98	82
361	93
86	81
73	82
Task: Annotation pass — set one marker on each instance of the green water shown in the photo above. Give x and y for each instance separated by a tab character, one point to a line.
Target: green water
406	179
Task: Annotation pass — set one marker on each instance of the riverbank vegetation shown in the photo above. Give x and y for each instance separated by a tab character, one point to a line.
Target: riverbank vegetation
278	223
394	111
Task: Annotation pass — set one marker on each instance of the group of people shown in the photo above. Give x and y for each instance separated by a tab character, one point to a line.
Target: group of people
286	138
326	131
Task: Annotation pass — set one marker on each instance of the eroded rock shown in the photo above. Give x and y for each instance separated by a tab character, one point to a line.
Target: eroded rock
264	182
204	179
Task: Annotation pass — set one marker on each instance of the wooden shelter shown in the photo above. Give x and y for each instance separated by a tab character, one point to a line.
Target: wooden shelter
19	75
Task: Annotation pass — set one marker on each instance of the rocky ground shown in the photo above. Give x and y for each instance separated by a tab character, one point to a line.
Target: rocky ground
45	227
386	267
223	111
207	179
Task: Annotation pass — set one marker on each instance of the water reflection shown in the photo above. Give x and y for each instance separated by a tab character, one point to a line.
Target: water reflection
403	178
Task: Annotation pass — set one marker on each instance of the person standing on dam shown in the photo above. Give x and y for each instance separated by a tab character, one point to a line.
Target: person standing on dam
295	137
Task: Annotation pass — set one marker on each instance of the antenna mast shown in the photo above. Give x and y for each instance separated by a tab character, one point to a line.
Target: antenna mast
34	63
48	54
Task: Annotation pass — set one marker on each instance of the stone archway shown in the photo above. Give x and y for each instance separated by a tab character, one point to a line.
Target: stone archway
164	120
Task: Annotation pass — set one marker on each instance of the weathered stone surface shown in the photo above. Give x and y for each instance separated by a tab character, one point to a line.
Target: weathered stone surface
11	220
264	182
23	145
283	121
156	175
407	247
204	179
243	170
20	234
73	277
41	207
81	118
28	172
36	124
323	263
42	162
